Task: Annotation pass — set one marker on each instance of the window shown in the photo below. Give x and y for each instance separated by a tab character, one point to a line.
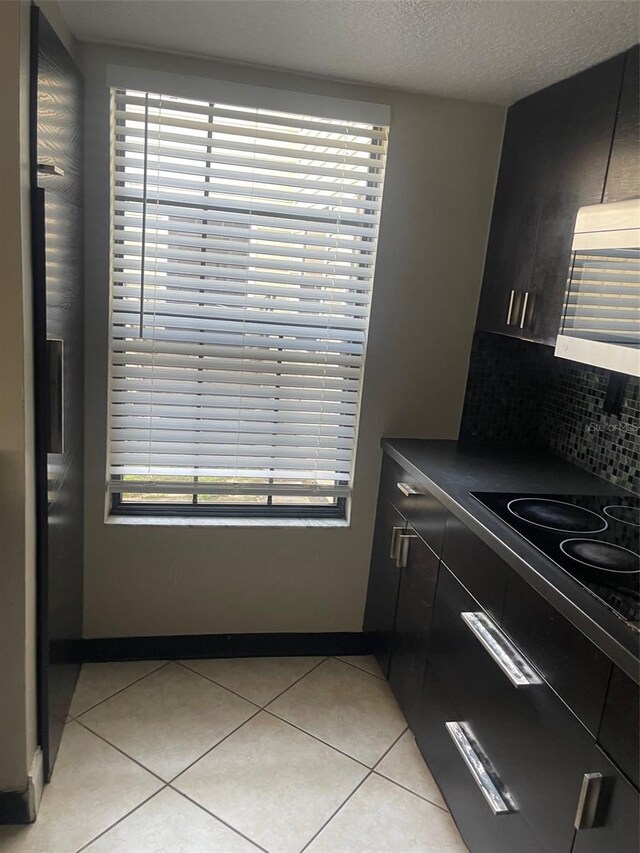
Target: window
243	253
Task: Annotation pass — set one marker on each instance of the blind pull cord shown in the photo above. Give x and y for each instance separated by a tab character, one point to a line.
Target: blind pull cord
144	210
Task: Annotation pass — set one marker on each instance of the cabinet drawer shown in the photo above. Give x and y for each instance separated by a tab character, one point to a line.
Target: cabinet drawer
619	729
481	571
481	829
568	661
426	514
538	748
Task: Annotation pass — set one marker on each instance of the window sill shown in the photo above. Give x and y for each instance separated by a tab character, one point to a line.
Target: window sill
192	521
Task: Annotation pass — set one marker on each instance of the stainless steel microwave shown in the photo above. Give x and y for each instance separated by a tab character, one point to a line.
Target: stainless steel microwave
601	314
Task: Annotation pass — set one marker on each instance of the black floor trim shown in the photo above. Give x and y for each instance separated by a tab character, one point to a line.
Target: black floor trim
15	807
219	646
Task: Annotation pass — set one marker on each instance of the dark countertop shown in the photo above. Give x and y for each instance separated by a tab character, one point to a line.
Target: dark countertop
449	471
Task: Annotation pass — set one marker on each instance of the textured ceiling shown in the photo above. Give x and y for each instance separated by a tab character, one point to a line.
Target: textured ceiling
483	50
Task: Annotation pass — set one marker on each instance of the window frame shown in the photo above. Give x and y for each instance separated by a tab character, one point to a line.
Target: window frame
241	95
195	510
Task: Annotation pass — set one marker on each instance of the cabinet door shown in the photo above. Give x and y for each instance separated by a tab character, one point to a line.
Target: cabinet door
413	621
618	732
554	160
623	177
578	124
617	813
384	582
514	224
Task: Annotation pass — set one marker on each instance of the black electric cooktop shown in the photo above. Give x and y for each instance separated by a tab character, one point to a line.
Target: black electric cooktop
595	539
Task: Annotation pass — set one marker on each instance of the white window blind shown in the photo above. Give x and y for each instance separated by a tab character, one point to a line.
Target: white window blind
243	257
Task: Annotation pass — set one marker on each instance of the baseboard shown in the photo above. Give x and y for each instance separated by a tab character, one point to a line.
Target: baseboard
20	807
221	646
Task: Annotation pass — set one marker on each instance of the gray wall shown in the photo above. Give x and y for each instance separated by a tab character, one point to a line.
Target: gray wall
154	578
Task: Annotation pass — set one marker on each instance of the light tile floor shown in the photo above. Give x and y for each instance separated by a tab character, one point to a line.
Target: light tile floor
231	756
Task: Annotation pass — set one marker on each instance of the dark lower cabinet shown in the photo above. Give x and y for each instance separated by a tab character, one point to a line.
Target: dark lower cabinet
481	829
539	750
616	826
511	706
384	583
418	578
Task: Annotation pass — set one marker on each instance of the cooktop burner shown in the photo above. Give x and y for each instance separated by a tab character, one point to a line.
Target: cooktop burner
603	555
557	515
625	514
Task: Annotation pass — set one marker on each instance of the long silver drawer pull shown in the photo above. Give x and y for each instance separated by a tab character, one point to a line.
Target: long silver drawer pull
588	801
395	543
407	490
461	735
508	658
402	558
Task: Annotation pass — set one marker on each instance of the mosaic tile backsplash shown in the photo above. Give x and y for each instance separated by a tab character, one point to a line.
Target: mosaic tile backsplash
519	392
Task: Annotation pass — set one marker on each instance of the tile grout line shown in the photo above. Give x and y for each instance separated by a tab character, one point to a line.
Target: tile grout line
122	689
274	715
355	666
358	786
273	699
213	815
211	748
411	791
315	737
169	784
124	817
266	709
399	784
121	751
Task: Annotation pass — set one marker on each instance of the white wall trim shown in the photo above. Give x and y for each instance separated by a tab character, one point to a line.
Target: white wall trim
35	783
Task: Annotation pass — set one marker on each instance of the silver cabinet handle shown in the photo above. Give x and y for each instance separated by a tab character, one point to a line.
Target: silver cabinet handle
512	301
523	313
508	658
395	544
466	745
407	490
402	559
49	169
588	801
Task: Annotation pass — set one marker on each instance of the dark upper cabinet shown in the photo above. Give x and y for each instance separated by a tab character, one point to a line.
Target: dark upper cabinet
418	576
623	177
580	117
514	224
554	160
